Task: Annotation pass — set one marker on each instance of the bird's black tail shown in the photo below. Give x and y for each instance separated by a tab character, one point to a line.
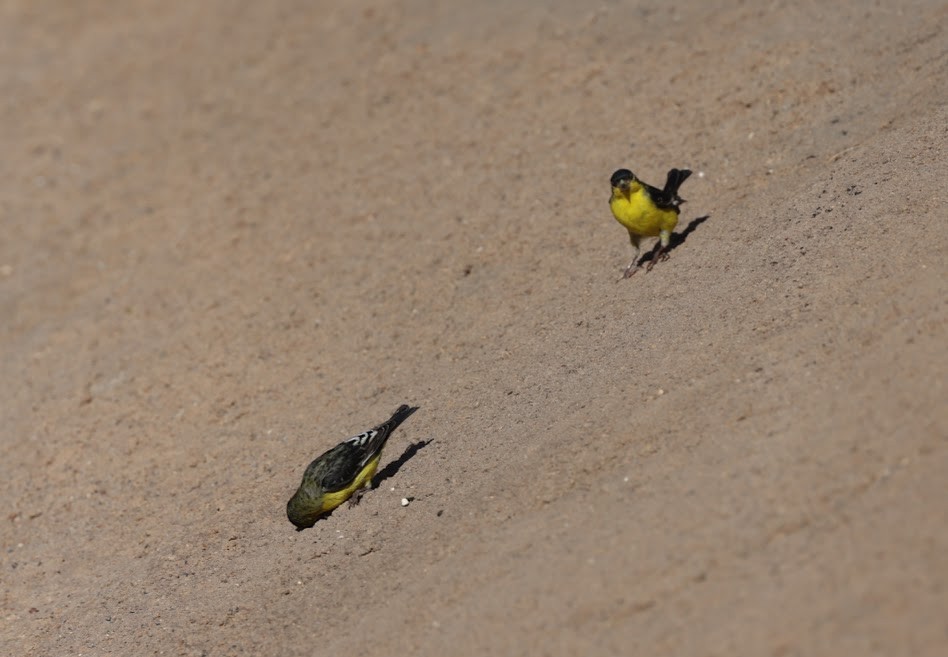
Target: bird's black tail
674	180
400	415
372	442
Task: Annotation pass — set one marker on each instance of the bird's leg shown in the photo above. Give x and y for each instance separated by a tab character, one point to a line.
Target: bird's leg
634	265
357	496
659	255
664	240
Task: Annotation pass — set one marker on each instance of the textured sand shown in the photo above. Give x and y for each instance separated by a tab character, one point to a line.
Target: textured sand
235	233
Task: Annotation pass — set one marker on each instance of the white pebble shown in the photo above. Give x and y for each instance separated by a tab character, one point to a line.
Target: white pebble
404	501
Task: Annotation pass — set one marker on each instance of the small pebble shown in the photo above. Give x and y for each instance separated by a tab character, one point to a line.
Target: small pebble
404	501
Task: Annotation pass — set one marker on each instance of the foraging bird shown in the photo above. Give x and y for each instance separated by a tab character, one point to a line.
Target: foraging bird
646	211
344	470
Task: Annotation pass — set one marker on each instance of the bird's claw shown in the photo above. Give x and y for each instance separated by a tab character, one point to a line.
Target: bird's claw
661	256
630	271
357	497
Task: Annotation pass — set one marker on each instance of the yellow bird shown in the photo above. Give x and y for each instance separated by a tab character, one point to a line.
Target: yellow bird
337	474
646	211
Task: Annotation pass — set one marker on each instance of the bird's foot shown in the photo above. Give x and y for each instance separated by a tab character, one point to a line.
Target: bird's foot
661	256
357	497
630	271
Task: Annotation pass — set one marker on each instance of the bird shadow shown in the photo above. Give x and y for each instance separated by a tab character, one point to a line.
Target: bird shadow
387	472
392	468
677	239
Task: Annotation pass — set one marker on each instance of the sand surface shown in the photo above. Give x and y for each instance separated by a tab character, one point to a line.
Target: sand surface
234	234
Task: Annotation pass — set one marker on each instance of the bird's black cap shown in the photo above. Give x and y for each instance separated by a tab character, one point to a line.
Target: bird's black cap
620	175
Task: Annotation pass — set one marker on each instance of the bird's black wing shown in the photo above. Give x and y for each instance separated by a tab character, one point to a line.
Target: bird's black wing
341	465
661	198
668	199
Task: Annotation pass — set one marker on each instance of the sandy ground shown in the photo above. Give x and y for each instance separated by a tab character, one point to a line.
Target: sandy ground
235	233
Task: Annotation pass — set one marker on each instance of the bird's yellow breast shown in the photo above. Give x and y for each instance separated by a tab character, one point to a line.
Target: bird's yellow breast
636	211
334	498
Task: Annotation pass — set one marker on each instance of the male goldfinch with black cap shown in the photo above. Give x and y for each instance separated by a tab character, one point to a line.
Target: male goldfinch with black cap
646	211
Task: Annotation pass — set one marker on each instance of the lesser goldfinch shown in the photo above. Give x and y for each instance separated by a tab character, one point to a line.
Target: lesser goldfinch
646	211
334	476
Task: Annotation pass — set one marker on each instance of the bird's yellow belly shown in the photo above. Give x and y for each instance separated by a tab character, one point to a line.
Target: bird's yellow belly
335	498
641	216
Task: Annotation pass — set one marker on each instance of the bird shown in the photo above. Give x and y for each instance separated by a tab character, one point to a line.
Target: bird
646	211
341	473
